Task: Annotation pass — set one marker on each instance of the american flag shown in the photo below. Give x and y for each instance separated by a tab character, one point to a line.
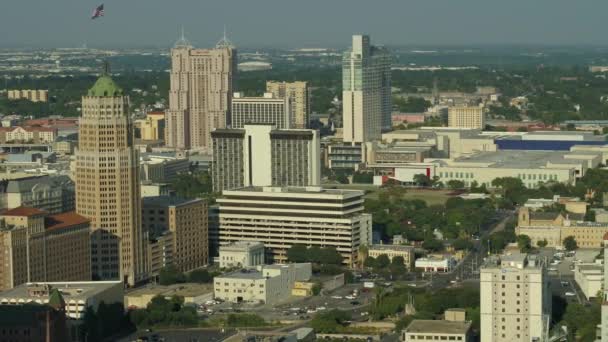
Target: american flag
98	12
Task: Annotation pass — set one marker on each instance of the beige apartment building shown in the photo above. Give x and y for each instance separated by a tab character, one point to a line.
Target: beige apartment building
466	117
152	127
36	246
107	184
283	217
33	95
200	95
268	109
187	221
299	94
554	227
515	299
261	155
27	135
391	251
454	327
159	252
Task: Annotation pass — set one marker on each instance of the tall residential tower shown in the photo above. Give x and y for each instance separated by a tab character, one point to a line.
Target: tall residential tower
200	94
298	93
366	91
107	184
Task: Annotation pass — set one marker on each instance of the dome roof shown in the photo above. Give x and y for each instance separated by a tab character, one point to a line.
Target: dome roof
105	87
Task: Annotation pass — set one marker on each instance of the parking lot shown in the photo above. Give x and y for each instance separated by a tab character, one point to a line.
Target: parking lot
561	272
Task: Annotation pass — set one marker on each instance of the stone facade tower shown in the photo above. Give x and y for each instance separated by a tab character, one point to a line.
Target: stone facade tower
107	184
200	94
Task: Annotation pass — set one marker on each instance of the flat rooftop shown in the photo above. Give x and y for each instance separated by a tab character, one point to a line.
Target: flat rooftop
516	159
184	290
243	274
168	201
422	326
69	290
392	247
310	190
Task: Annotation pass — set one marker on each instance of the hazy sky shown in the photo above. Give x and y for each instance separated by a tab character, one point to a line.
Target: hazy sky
304	22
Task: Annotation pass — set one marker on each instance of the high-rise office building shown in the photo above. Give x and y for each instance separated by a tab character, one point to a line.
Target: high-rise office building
466	117
268	109
366	91
261	155
187	221
515	299
603	327
299	94
281	217
200	94
107	184
36	246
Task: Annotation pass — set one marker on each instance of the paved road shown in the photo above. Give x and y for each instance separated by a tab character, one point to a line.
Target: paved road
183	335
468	268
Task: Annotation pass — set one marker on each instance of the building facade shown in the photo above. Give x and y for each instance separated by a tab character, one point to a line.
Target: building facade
265	284
261	155
107	184
366	94
466	117
554	227
187	221
36	246
152	127
54	194
268	109
299	94
283	217
27	135
242	254
200	95
515	300
391	251
33	95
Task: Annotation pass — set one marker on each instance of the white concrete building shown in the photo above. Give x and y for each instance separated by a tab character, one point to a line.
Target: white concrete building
266	284
532	167
366	94
515	299
261	155
283	217
269	110
590	278
454	327
432	264
242	254
603	327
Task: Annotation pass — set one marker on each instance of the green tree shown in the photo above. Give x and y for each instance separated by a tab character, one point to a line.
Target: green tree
370	262
330	321
200	276
330	256
398	261
455	184
422	179
297	253
542	243
524	243
570	243
432	245
590	216
169	275
382	261
245	320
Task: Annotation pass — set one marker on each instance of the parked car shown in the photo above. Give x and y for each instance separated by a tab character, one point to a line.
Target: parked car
570	294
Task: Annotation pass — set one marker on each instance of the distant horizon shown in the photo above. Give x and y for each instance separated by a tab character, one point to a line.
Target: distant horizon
276	23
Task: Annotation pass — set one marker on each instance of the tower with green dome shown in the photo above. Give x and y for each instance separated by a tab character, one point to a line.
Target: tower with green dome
107	183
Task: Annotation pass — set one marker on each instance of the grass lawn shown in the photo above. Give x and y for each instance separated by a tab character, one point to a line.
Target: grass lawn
431	197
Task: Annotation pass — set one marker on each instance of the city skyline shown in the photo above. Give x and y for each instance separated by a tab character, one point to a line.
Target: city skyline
394	23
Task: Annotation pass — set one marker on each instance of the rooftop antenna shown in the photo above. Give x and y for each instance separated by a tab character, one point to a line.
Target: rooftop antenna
106	67
224	42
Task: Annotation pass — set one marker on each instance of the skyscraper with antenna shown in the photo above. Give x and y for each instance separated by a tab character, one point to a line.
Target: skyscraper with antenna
200	94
